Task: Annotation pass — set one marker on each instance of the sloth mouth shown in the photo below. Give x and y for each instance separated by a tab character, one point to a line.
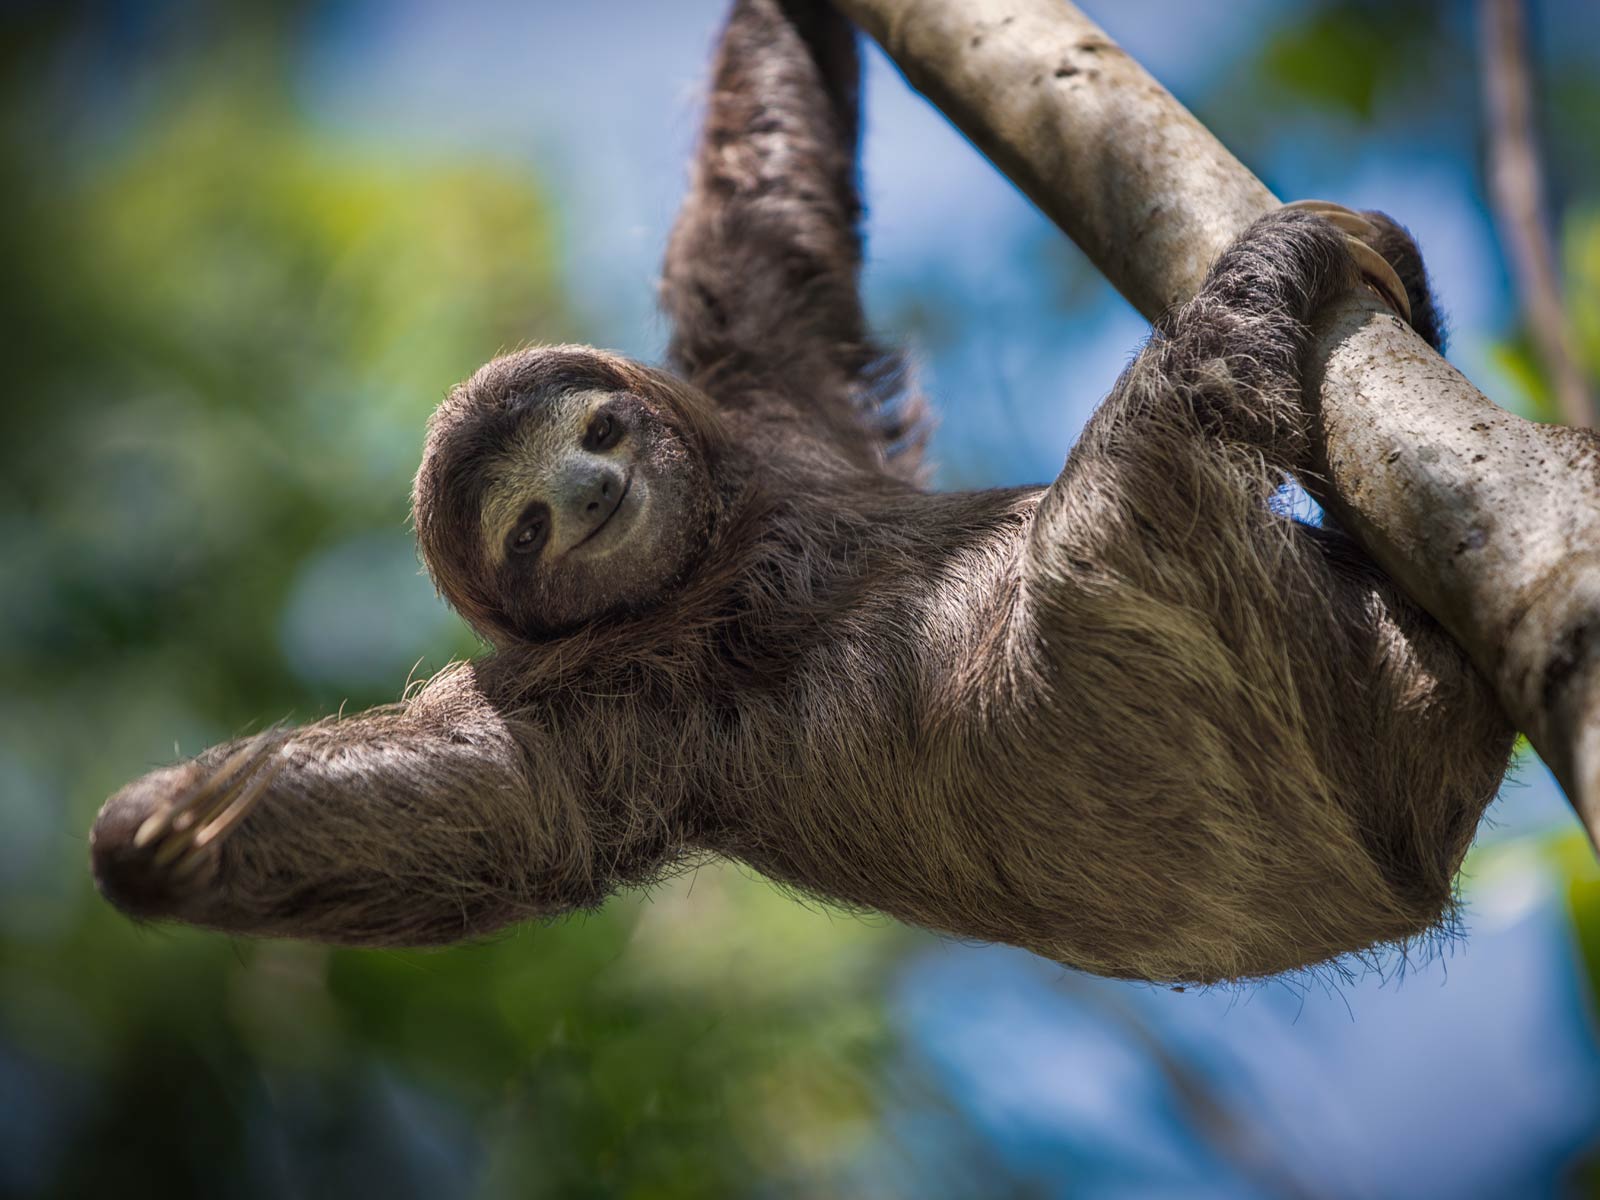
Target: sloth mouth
627	486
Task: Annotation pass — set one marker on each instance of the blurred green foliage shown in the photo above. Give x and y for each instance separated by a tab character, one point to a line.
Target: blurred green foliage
1582	242
1341	55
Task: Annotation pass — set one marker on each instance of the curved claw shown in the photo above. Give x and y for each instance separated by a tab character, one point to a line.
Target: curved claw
146	862
1360	233
183	811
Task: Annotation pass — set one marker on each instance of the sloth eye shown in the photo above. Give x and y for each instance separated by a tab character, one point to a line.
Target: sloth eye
530	535
604	432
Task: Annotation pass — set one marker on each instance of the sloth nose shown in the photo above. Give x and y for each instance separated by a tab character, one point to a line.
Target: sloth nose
589	496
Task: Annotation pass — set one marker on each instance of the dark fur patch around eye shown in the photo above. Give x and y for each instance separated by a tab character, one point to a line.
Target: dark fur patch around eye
605	429
531	531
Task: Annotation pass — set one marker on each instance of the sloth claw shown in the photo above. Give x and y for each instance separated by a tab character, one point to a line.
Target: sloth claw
212	807
148	855
1360	234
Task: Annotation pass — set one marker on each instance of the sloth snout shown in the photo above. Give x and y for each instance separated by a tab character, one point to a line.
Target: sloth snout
589	496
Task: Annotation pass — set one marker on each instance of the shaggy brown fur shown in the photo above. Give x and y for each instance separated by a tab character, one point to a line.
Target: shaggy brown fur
1137	722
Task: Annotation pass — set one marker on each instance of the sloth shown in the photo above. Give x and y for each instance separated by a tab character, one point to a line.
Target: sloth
1140	721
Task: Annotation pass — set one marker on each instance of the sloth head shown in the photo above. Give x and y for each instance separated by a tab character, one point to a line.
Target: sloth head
563	484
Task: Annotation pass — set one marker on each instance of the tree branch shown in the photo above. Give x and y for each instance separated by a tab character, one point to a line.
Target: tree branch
1491	522
1516	186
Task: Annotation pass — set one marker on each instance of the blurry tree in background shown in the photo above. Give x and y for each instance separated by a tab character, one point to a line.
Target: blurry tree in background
225	330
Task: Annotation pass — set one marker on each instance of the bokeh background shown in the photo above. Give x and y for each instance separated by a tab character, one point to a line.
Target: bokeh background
248	247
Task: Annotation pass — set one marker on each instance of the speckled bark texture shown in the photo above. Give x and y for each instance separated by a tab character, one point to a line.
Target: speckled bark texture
1491	522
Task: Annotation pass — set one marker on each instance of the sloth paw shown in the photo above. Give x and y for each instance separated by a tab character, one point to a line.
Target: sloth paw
1361	239
155	843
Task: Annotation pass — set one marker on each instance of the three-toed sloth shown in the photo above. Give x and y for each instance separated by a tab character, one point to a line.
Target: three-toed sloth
1139	721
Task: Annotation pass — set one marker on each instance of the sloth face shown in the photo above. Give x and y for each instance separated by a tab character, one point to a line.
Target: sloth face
559	486
596	506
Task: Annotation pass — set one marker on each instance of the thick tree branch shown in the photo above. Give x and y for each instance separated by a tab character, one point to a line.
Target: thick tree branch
1491	522
1516	186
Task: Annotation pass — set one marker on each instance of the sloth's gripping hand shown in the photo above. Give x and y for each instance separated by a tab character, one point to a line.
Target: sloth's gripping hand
1363	238
1230	363
422	823
1203	426
158	840
1389	263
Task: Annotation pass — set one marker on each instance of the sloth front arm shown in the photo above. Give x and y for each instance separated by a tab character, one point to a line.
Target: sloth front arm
440	818
1235	747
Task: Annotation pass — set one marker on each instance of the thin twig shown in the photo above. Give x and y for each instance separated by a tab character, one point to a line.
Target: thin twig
1516	190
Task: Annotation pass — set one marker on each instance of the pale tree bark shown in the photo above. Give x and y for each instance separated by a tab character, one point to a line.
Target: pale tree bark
1516	184
1491	522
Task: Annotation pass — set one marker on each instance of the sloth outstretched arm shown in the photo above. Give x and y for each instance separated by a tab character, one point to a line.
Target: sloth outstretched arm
761	274
420	823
